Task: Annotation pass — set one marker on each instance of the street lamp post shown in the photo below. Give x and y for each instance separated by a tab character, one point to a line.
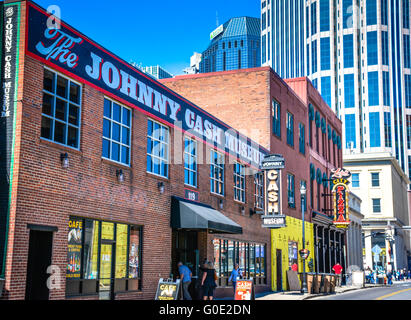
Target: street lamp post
303	192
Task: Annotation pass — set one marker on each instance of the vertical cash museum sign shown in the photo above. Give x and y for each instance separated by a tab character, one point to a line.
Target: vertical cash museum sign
10	32
272	165
340	192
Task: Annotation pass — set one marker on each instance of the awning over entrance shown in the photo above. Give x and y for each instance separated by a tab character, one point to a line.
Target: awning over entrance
188	215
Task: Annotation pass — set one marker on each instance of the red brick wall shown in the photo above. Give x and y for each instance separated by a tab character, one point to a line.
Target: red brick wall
242	98
46	194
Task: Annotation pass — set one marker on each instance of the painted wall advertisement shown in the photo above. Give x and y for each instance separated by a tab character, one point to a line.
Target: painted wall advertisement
340	192
69	51
74	248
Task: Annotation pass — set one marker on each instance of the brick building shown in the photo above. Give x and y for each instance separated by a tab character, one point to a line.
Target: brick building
111	178
287	117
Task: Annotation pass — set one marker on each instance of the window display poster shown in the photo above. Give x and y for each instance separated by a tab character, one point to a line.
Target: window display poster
293	255
75	234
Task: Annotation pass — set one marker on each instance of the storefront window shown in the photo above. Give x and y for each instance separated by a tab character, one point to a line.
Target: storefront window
252	260
230	256
134	255
107	230
242	256
92	257
224	265
262	261
91	236
216	243
121	250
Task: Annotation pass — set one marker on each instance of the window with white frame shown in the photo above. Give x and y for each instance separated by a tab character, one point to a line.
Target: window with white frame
190	162
217	172
239	182
60	118
116	132
259	190
157	148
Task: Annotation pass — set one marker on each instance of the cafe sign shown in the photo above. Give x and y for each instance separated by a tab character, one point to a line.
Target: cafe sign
340	191
272	165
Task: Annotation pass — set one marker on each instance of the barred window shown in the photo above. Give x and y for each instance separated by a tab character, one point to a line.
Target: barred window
60	121
239	182
116	132
217	173
190	162
157	148
259	190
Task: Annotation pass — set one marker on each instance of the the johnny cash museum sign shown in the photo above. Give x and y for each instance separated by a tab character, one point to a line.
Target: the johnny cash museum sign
273	218
71	52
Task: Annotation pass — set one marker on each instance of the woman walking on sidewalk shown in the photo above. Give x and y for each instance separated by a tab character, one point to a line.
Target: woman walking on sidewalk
209	282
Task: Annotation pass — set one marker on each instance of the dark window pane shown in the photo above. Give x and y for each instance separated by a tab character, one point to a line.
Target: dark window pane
115	153
62	87
72	138
60	132
107	108
60	109
125	136
126	117
46	128
125	155
106	128
106	148
150	128
74	93
47	104
116	112
149	146
73	115
48	81
149	164
116	132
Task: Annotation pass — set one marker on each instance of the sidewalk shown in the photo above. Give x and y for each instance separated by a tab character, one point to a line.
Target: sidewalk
296	295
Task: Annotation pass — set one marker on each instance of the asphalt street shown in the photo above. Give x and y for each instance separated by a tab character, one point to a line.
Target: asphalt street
397	291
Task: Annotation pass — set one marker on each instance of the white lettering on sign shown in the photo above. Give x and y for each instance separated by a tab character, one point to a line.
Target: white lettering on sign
8	92
273	200
274	221
60	49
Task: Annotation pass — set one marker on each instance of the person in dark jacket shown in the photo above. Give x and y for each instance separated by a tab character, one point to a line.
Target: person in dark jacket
208	282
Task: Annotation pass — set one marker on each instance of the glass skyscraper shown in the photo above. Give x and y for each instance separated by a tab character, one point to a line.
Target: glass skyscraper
234	45
357	53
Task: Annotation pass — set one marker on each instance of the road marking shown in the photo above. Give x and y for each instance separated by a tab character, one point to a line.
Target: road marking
392	294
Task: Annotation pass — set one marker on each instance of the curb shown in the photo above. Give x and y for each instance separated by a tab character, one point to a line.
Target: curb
329	294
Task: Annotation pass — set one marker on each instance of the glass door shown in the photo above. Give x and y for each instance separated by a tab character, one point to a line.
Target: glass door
106	271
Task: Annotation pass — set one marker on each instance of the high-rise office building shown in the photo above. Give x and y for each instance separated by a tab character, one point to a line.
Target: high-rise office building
357	53
234	45
157	72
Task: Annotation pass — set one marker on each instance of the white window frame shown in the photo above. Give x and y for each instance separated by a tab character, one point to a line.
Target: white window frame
121	133
192	158
259	190
154	156
239	176
66	100
214	180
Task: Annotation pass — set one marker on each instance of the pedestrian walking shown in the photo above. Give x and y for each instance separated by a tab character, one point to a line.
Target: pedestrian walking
389	277
202	269
208	282
235	275
185	277
337	268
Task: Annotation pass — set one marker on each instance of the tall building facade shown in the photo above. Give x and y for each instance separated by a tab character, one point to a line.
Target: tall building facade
234	45
157	72
357	53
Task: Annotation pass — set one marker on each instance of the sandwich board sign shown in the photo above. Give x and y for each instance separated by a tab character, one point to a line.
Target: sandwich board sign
244	290
167	289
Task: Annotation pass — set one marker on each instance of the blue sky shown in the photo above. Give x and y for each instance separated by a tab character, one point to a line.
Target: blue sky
162	32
